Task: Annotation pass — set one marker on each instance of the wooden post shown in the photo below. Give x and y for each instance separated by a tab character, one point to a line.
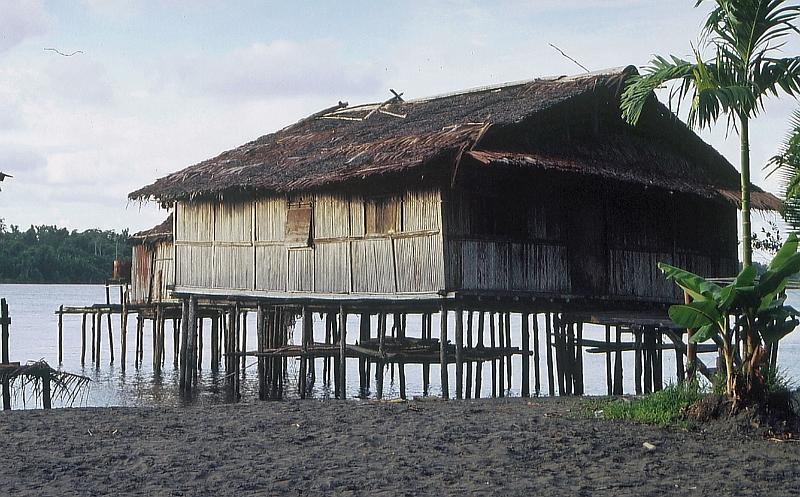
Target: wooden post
501	377
549	336
648	361
401	367
184	341
200	330
379	365
479	364
536	374
492	346
342	353
559	339
658	368
509	373
443	353
5	324
61	334
609	378
260	344
108	321
618	373
426	368
306	317
468	380
46	396
244	338
139	325
459	358
526	360
98	336
363	336
123	328
638	361
83	339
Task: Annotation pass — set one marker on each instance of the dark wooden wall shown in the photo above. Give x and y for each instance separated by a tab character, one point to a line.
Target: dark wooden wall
515	229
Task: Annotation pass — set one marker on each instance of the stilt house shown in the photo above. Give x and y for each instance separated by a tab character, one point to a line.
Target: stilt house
535	189
152	268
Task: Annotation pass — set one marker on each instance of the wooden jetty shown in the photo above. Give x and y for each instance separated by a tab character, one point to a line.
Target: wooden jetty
455	212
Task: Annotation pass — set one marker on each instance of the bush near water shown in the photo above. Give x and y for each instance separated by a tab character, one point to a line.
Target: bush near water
48	254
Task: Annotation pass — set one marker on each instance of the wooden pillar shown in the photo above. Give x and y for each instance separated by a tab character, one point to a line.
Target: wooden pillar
363	337
638	360
501	377
658	367
537	382
479	363
215	340
46	395
200	330
379	365
648	361
609	377
459	351
559	346
184	341
83	339
139	324
494	361
61	334
509	368
98	336
549	337
618	372
123	328
691	348
260	346
5	324
108	322
426	368
443	353
526	366
468	379
191	344
401	367
342	353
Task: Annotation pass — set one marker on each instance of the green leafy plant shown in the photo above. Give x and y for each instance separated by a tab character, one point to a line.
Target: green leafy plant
743	65
760	313
665	407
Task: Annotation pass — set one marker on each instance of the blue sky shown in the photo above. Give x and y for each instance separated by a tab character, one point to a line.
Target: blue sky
162	85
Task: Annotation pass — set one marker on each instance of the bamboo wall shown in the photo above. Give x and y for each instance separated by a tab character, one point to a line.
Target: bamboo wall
568	236
148	260
390	244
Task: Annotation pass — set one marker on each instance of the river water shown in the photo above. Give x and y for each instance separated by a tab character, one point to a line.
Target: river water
34	337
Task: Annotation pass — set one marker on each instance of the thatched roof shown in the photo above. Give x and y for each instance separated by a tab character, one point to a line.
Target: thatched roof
159	233
345	144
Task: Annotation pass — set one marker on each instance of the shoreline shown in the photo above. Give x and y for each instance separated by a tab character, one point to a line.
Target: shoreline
427	447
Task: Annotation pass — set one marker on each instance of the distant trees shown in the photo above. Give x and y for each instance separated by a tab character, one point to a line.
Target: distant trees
48	254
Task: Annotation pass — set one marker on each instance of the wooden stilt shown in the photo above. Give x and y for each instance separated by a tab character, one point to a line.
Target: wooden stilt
609	378
363	336
658	368
648	361
184	342
509	367
479	364
443	354
618	373
501	377
638	361
559	346
426	368
5	324
342	353
549	337
260	346
536	374
200	325
526	366
468	379
401	367
191	344
123	329
303	375
578	358
83	339
459	351
108	322
493	361
98	337
61	334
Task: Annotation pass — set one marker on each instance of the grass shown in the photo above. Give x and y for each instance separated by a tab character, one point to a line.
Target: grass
662	408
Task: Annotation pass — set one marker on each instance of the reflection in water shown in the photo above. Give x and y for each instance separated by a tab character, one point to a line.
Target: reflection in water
34	330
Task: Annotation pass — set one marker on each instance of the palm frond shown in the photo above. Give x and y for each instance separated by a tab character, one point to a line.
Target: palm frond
639	88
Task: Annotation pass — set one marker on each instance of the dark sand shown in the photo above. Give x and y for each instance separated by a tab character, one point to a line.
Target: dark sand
498	447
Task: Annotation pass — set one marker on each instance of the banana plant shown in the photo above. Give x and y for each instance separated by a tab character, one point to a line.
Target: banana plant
758	305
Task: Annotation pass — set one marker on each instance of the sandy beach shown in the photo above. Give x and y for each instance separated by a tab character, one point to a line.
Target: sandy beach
500	447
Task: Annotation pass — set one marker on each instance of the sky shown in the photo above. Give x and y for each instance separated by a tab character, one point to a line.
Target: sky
161	85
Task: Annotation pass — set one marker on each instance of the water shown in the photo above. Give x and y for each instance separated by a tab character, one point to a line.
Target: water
34	336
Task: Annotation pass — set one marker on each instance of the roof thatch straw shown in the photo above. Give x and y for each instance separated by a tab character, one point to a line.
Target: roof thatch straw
346	144
158	233
26	379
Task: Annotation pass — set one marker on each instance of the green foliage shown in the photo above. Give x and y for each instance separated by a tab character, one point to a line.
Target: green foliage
662	408
763	315
47	254
787	165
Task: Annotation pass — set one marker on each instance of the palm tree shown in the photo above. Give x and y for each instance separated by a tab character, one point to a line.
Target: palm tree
787	164
743	39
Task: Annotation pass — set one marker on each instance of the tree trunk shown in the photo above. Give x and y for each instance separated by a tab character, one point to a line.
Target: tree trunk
744	135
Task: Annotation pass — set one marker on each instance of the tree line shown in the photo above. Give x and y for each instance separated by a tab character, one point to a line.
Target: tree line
49	254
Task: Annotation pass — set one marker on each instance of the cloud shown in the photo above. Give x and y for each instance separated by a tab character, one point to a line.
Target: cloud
19	161
280	68
21	19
